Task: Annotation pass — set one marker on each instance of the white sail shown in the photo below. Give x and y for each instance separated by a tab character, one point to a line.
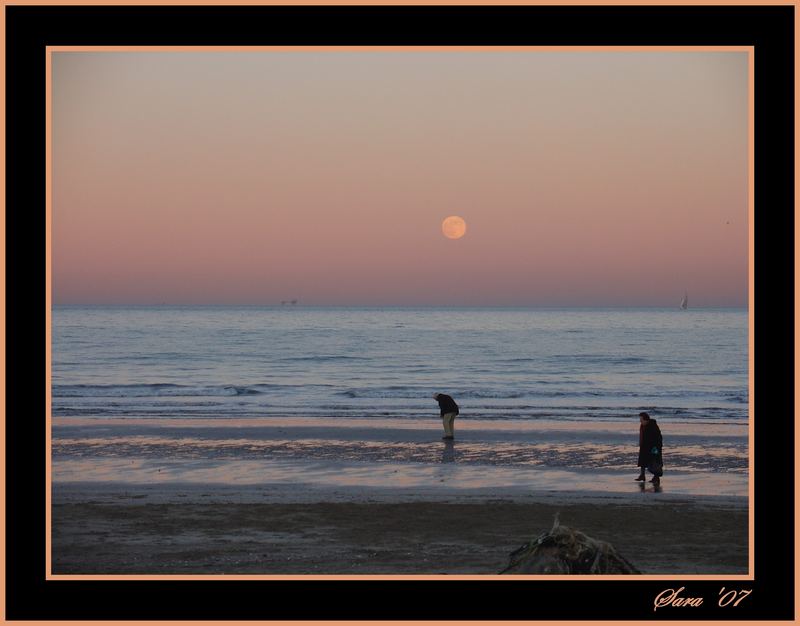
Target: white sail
685	301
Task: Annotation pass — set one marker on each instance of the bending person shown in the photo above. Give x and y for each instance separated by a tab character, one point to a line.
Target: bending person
449	410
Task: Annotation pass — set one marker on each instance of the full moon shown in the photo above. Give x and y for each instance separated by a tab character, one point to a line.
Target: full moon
454	227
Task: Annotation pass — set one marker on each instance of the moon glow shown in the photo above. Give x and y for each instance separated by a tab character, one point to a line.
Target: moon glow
454	227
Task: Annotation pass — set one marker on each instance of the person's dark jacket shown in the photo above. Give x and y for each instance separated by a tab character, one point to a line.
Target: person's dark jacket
649	438
446	404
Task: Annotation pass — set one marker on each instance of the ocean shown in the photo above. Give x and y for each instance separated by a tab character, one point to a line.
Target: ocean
350	388
565	364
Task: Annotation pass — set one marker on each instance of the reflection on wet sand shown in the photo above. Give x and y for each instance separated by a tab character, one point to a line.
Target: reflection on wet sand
650	487
448	452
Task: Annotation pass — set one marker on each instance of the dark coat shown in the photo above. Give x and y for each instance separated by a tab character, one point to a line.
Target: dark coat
649	438
447	404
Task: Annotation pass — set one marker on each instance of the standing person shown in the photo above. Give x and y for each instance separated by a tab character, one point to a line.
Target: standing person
449	410
650	448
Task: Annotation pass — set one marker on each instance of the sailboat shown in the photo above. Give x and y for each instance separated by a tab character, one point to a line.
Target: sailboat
685	301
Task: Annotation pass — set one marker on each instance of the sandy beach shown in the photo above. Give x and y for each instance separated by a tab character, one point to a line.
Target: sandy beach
337	496
193	529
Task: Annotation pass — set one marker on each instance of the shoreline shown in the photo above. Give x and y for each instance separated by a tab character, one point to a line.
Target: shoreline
105	492
543	456
624	426
443	478
384	497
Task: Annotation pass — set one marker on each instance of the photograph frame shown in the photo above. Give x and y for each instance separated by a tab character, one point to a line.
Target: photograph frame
31	29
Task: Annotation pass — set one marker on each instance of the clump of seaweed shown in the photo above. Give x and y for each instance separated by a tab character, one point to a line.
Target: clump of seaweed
563	550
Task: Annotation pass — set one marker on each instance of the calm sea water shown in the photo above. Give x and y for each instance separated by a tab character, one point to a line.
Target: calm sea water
521	364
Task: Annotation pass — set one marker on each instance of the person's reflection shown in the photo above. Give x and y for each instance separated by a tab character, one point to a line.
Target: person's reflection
657	488
449	453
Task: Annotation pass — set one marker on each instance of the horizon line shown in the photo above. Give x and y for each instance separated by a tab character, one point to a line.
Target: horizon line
394	306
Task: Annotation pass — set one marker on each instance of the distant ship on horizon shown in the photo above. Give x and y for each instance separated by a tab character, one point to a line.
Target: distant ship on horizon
290	302
685	301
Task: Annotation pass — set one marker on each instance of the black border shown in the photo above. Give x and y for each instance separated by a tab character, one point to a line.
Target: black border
30	28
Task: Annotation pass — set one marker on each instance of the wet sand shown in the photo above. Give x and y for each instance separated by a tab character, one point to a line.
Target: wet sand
125	529
384	497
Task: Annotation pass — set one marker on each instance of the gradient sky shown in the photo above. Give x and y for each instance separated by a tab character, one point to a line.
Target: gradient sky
585	178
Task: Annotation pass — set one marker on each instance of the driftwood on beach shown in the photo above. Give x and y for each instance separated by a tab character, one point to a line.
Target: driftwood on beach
563	550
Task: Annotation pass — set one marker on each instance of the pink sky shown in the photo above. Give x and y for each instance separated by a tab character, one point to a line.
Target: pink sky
585	178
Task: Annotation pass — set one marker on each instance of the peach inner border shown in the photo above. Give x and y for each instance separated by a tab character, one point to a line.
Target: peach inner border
51	49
